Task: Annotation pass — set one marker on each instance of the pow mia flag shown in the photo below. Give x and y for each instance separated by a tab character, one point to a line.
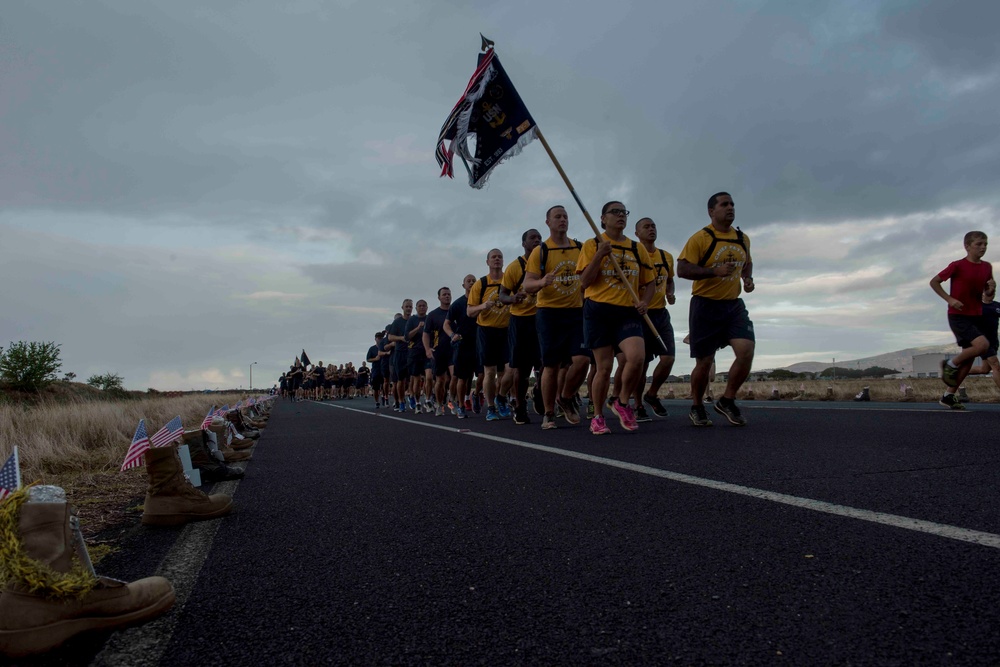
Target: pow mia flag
491	111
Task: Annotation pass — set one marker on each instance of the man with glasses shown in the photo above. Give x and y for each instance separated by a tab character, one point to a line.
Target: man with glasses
717	259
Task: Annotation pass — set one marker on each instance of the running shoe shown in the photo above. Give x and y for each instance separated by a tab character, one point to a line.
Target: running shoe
476	405
598	427
590	410
625	416
460	412
569	410
451	405
536	399
502	407
467	405
377	405
699	416
412	402
428	405
611	401
521	416
549	422
727	408
654	403
949	401
417	410
642	416
439	412
491	415
949	374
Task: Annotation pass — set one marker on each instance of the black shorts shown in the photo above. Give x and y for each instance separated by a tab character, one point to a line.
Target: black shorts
401	370
966	328
441	361
463	359
607	325
492	346
661	320
377	382
560	335
522	343
712	324
417	365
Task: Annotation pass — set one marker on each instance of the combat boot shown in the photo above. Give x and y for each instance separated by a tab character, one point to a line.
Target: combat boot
221	430
212	469
49	598
171	500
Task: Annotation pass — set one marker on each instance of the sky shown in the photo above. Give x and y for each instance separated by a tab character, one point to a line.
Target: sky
188	188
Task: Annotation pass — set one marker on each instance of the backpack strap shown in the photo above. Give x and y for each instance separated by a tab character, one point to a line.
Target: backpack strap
715	241
520	281
545	255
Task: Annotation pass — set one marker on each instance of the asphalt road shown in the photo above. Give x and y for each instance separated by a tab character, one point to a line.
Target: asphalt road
820	534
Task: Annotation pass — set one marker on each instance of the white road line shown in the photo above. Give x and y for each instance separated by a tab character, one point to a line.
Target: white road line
143	646
894	520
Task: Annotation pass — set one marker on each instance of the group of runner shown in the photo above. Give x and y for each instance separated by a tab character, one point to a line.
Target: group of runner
564	311
319	382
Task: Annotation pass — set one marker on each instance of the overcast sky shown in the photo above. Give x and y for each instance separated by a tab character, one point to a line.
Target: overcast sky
188	188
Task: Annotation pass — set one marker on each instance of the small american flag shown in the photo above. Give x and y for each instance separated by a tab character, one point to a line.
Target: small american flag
208	418
140	443
238	405
223	410
168	433
10	475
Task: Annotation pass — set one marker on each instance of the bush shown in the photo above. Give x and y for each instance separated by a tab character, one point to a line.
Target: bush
30	366
109	382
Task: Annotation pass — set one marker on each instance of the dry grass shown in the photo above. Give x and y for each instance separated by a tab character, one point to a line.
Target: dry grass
80	446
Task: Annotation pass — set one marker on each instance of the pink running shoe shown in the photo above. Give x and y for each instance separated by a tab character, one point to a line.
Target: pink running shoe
625	416
598	427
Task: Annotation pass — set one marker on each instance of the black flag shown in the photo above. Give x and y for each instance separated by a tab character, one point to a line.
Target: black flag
305	358
492	111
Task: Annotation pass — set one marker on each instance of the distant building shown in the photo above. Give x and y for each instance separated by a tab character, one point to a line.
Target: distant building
926	365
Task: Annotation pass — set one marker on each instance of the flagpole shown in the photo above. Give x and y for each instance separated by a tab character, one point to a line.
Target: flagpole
597	233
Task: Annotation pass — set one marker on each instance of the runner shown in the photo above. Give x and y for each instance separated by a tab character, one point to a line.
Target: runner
400	355
663	264
551	275
386	360
417	358
462	331
716	258
493	318
610	317
522	336
437	348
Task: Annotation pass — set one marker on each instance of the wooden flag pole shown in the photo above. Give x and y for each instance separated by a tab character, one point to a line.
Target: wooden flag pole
597	233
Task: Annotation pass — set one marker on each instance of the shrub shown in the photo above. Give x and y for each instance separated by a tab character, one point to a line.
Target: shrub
30	366
109	382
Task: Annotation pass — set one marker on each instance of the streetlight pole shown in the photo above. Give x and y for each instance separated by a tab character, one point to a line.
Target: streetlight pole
251	376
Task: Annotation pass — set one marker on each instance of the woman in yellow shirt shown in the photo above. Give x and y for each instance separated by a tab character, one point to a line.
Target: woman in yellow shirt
611	317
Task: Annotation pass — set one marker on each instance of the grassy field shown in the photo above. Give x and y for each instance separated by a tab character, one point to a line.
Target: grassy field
80	445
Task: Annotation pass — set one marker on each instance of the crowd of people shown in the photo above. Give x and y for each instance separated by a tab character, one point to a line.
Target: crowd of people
319	382
562	313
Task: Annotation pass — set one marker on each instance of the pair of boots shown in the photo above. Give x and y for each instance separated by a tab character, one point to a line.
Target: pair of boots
212	469
50	596
232	450
171	500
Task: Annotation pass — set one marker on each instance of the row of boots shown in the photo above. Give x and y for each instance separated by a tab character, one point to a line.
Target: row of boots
50	591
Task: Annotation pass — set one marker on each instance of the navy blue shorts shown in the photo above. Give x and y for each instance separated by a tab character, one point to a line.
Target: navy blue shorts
661	320
400	367
607	325
712	324
441	361
492	346
463	358
522	343
966	328
560	335
417	365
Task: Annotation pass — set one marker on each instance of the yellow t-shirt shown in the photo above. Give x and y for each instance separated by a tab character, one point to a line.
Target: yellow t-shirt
608	287
565	291
513	279
499	315
726	250
663	264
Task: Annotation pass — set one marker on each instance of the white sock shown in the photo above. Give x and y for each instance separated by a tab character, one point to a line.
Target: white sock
952	364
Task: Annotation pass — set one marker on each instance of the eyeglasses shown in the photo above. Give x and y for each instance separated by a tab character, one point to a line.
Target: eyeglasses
616	211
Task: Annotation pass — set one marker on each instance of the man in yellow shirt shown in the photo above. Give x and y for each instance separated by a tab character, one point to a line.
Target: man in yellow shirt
522	336
551	275
611	318
717	259
492	316
663	265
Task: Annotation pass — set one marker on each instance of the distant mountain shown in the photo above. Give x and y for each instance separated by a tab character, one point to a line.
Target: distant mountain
901	360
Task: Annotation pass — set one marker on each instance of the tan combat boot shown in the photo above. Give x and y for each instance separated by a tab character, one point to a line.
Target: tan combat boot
220	429
48	598
171	500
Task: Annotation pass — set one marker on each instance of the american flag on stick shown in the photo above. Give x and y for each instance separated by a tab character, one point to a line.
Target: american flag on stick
10	475
223	410
140	443
172	431
208	418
